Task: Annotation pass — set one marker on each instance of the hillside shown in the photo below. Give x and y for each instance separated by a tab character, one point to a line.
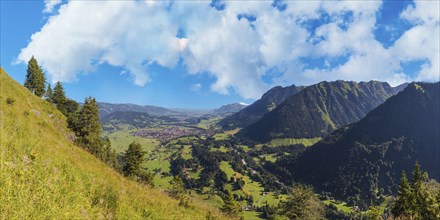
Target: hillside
366	158
259	108
108	108
44	176
319	109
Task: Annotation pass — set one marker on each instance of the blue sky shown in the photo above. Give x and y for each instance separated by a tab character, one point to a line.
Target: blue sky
187	54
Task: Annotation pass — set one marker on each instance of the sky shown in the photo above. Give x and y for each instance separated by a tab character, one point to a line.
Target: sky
204	54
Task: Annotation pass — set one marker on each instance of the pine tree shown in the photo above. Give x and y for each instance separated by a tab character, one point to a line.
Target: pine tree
416	185
49	94
88	127
59	98
35	79
71	106
404	203
302	203
178	186
133	159
231	206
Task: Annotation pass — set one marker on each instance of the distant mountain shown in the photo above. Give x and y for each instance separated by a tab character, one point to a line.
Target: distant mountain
108	108
319	109
136	119
229	108
256	110
366	158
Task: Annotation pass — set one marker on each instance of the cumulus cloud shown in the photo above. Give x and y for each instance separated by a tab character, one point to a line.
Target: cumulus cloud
49	5
238	45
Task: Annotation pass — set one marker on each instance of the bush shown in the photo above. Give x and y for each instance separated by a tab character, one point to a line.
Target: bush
10	101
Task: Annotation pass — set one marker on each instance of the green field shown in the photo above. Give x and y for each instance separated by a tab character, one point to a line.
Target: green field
208	123
250	188
341	206
222	149
291	141
122	138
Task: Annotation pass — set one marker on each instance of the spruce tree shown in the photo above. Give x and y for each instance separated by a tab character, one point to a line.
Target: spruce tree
416	185
302	203
231	206
49	94
133	159
59	98
88	128
404	204
35	79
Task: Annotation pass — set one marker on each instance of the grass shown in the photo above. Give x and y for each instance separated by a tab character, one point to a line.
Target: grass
44	176
225	135
270	157
207	123
291	141
341	206
222	149
122	138
250	188
187	152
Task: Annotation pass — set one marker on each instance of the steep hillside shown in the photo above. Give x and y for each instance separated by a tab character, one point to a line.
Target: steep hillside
367	158
319	109
44	176
256	110
108	108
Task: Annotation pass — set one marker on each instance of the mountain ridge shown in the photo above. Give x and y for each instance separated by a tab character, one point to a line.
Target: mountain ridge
256	110
366	158
319	109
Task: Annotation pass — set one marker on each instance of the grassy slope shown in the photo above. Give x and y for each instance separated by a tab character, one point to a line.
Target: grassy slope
43	175
290	141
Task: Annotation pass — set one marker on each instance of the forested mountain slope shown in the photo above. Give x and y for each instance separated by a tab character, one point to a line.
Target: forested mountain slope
366	159
320	109
256	110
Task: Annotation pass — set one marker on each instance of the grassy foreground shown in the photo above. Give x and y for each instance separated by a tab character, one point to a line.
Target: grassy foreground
44	176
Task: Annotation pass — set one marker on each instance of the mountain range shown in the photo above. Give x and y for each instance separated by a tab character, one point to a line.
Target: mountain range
108	108
365	159
259	108
319	109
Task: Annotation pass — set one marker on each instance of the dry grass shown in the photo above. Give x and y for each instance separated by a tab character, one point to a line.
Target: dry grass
44	176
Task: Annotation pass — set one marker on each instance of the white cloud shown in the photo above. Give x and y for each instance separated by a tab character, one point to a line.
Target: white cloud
49	5
196	87
237	52
422	41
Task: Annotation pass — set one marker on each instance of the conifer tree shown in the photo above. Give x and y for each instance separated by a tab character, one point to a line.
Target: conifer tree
404	202
133	159
416	185
231	206
88	128
178	186
49	94
59	98
35	80
302	203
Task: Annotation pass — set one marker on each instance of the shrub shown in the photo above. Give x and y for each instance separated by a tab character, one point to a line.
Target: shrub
10	101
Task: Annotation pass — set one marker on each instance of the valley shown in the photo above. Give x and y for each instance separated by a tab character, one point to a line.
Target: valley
211	160
220	109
